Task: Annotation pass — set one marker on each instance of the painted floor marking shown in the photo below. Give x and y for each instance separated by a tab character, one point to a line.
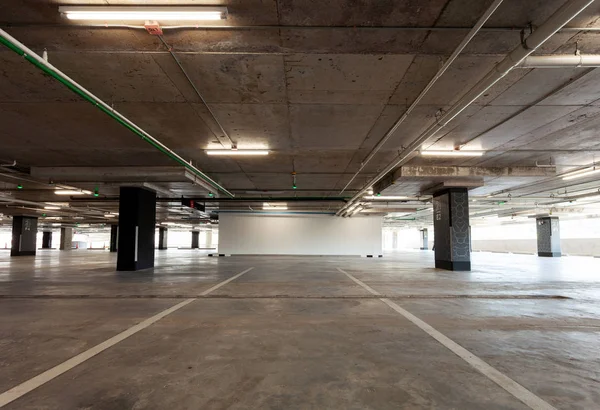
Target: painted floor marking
42	378
508	384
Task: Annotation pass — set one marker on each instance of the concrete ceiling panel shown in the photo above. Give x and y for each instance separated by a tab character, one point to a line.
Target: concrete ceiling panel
237	78
361	13
352	79
118	77
320	126
538	84
324	162
255	126
585	90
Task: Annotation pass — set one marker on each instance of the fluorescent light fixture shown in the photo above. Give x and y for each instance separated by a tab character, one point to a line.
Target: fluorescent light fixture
581	173
164	13
72	192
269	207
237	152
451	153
110	216
387	198
52	207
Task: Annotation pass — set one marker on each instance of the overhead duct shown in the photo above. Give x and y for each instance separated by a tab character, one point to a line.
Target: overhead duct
561	61
49	69
561	17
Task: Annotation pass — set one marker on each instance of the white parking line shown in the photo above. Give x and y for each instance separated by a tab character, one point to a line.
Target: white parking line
42	378
508	384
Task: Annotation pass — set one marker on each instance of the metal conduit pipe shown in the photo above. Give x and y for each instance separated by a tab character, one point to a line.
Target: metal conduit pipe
561	61
49	69
560	18
482	20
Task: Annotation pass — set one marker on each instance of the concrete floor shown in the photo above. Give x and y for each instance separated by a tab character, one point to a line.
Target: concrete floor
297	333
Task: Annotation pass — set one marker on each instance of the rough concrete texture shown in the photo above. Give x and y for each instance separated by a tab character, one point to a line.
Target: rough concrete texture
295	332
326	93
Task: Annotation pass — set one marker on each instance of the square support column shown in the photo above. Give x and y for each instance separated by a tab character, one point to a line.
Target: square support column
114	238
195	239
24	236
209	236
452	238
424	239
162	238
66	239
548	236
46	240
137	220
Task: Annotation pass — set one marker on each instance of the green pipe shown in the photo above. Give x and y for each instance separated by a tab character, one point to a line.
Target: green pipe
49	69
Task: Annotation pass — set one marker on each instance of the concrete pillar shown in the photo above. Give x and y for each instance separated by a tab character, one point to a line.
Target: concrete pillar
548	236
114	238
162	238
46	240
24	232
195	239
452	239
424	239
66	239
394	239
137	220
209	235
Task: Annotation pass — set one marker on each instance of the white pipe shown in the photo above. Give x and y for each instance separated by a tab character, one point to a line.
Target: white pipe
561	17
561	61
482	20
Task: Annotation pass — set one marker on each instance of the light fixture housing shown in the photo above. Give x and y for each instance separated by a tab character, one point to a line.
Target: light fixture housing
451	153
581	173
52	208
269	207
237	152
72	192
387	198
141	13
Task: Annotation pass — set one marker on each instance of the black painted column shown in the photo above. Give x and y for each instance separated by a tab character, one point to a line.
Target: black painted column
424	239
137	220
162	238
46	240
195	239
66	239
452	239
114	237
548	236
24	234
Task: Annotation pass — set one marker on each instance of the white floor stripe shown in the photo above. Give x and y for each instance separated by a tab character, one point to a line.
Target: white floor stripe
42	378
508	384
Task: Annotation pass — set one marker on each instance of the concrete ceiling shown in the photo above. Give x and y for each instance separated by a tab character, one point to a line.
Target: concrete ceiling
316	82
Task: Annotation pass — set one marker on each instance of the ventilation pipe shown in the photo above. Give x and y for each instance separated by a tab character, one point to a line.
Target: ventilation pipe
49	69
561	61
561	17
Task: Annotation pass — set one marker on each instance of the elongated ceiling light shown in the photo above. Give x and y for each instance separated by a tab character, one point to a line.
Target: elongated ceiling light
451	153
237	152
581	173
165	13
71	192
387	198
269	207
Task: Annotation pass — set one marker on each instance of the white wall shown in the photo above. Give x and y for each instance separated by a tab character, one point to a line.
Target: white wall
245	234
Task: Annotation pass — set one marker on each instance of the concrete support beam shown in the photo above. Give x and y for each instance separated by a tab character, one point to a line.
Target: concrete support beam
66	239
452	239
114	238
162	238
195	239
548	236
137	221
24	235
447	172
46	240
